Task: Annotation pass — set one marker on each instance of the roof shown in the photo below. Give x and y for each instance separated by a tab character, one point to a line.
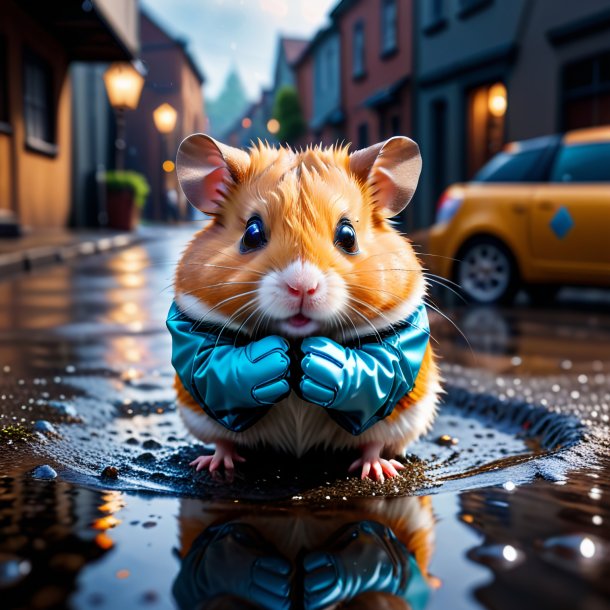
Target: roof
172	41
293	48
343	7
314	42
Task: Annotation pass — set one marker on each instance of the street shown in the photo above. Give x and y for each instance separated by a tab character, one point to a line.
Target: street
503	504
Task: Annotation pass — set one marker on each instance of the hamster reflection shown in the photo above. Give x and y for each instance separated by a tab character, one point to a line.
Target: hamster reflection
374	556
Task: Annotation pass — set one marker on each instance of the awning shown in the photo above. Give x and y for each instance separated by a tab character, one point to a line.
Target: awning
89	30
387	95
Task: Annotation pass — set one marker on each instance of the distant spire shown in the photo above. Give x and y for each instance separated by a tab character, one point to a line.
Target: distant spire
230	105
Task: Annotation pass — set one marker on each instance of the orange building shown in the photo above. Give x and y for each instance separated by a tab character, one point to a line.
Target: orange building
174	78
38	41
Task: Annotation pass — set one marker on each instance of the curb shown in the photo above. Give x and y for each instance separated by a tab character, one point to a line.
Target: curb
34	258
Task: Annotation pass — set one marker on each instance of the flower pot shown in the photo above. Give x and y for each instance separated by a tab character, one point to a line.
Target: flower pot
121	209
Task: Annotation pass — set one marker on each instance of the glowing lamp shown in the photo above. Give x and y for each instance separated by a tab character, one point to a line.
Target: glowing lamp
165	117
273	126
496	100
123	85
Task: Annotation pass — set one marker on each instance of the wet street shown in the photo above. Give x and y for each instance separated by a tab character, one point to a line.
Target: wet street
504	504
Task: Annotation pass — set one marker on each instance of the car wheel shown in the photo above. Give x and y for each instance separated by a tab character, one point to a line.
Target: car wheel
486	271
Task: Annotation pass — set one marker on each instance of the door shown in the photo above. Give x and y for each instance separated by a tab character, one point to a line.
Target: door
570	218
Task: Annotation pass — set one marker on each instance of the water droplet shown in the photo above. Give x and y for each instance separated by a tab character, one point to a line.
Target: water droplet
13	569
44	473
110	472
42	425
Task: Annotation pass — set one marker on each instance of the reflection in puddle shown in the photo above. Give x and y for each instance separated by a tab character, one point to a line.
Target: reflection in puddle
372	556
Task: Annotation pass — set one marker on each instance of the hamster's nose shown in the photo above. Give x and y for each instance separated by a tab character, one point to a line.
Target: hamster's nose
298	289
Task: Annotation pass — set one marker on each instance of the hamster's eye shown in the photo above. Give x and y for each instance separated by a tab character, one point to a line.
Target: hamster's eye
254	235
345	237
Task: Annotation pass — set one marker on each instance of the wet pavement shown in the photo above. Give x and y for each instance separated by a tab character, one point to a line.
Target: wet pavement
504	504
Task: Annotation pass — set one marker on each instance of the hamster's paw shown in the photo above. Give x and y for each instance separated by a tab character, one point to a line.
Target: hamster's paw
373	465
224	456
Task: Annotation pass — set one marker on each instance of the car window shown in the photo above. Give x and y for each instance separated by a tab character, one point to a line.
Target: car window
582	163
522	166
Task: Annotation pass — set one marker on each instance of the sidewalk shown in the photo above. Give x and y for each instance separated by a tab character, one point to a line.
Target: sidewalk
43	247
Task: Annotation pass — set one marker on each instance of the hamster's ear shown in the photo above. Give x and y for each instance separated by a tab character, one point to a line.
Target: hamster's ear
391	170
207	169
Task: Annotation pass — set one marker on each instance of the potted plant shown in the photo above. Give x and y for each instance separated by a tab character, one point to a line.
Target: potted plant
126	193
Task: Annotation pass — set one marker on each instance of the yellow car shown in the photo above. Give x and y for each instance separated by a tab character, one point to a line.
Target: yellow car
536	215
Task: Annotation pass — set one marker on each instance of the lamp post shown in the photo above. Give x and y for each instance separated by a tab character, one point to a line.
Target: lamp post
164	117
124	83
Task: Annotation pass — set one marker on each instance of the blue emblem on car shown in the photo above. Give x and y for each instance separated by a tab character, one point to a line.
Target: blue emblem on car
562	222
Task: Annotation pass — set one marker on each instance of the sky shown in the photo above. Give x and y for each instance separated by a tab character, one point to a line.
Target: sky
243	33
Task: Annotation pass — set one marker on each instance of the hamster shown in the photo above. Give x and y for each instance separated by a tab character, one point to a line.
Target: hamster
301	284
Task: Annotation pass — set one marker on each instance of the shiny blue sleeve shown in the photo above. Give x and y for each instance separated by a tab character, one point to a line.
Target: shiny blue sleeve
234	385
361	386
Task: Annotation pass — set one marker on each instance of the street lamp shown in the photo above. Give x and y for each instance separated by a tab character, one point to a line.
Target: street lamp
124	83
164	117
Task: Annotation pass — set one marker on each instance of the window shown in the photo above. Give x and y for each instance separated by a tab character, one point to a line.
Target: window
434	18
4	118
586	92
583	163
38	102
358	68
521	166
363	135
389	27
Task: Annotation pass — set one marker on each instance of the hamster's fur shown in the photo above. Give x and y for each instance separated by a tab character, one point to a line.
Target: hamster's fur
301	197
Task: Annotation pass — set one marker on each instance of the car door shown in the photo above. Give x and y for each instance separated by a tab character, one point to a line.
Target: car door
569	228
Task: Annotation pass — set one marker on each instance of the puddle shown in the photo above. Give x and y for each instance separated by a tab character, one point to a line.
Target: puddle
504	504
132	439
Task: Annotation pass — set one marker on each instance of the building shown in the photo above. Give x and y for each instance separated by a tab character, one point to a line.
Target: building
318	77
38	42
174	78
376	68
494	71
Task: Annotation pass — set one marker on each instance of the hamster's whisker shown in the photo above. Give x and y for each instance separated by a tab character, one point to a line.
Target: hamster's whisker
254	312
440	277
261	318
336	320
392	324
449	258
440	313
382	270
360	286
227	267
220	304
366	320
240	310
436	282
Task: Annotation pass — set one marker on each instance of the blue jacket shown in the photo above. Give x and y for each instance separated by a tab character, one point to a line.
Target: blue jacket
236	381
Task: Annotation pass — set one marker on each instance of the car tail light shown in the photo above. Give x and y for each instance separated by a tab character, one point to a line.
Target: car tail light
448	205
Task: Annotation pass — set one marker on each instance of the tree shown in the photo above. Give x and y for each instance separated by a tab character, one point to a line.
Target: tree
287	111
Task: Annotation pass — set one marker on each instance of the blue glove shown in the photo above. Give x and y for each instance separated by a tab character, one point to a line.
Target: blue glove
233	560
234	385
365	556
360	386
